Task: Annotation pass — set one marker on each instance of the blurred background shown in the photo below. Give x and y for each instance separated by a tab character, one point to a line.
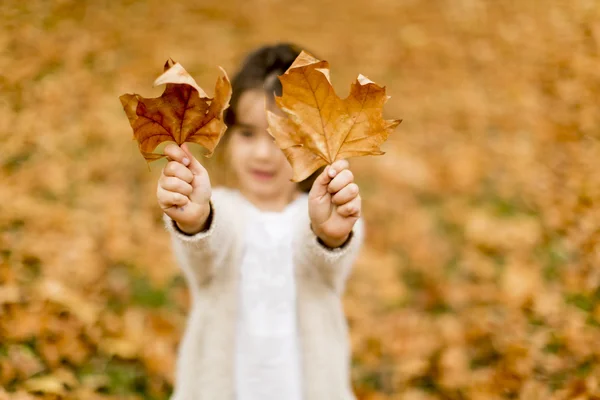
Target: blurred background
480	277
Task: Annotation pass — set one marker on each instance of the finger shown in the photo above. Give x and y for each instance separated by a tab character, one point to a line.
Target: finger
167	199
330	172
178	170
194	166
176	153
346	194
350	209
319	187
341	180
177	185
339	166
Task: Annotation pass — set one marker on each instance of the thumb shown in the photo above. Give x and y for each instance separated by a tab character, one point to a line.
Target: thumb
194	166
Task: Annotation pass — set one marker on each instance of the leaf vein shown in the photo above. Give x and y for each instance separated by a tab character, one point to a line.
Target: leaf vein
319	109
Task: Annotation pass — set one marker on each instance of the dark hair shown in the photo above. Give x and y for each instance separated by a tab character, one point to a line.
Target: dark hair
260	70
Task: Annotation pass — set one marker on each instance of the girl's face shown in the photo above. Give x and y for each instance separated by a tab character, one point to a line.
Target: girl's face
262	171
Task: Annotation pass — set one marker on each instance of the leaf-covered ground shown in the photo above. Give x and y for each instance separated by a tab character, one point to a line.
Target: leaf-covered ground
480	278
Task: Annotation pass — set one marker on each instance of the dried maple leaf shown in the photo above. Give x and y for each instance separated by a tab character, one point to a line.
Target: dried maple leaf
320	128
183	113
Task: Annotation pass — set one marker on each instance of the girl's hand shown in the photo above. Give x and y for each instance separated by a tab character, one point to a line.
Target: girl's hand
334	204
184	190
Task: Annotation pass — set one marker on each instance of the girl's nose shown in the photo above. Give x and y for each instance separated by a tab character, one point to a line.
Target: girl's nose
265	147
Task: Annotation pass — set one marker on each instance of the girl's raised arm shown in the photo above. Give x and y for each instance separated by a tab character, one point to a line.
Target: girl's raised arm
196	217
332	266
331	236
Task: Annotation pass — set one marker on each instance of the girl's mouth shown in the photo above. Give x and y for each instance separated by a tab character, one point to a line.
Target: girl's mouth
262	175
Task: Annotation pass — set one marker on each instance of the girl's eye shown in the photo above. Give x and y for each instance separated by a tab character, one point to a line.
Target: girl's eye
247	133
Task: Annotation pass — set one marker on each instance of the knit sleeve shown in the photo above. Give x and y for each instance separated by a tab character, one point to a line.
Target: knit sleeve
332	266
200	256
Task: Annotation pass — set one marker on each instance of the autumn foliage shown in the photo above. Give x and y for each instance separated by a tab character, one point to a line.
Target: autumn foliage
318	128
183	113
479	279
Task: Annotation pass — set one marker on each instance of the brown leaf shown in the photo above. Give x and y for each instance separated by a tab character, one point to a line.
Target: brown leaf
87	311
25	362
45	384
123	348
10	294
319	127
183	113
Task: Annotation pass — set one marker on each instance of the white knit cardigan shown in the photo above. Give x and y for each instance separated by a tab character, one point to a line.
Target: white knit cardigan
210	261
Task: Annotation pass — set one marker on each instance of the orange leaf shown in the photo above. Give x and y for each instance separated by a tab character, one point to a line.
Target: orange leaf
183	113
319	127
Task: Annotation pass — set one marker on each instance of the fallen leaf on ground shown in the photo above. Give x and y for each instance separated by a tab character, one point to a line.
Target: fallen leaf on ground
45	384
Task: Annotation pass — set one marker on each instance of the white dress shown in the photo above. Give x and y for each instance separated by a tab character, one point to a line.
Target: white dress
267	346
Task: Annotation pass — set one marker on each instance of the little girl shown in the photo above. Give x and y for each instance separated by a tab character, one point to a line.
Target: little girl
266	262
